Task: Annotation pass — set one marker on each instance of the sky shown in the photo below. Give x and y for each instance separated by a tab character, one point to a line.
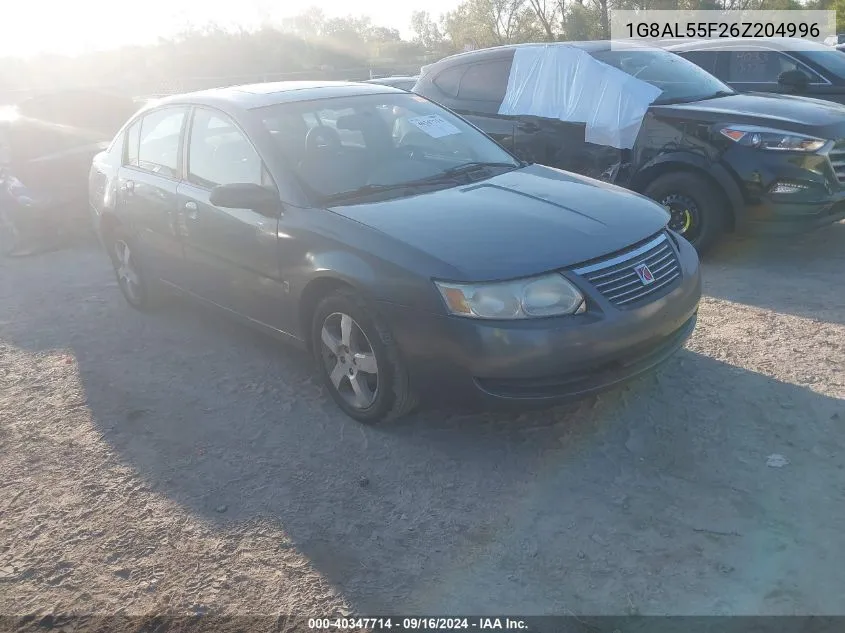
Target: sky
77	26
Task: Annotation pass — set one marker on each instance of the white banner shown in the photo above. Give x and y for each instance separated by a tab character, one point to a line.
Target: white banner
812	27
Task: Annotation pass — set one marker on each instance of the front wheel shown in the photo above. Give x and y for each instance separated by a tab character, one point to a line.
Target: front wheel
697	211
358	360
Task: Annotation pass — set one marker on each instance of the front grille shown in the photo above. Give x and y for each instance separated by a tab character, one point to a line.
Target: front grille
837	160
615	276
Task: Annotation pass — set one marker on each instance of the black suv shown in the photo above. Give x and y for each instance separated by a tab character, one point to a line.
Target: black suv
782	65
716	159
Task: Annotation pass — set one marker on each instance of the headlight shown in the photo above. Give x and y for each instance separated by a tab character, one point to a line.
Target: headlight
767	138
549	295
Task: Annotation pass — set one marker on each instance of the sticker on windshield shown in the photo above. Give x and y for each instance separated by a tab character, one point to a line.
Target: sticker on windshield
433	125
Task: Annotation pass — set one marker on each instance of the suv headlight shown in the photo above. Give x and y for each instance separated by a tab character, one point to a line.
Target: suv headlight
768	138
548	295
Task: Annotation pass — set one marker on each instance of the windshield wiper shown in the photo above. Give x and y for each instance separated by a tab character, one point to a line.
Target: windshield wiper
445	176
367	190
466	167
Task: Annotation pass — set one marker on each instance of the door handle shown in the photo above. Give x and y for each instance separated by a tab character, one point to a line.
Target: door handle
129	187
191	208
528	127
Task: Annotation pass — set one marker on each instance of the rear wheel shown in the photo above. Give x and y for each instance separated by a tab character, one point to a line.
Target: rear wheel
139	291
697	210
358	360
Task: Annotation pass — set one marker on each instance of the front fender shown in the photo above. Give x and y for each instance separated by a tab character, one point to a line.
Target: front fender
685	160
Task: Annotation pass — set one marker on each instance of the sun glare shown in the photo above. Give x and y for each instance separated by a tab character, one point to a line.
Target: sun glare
89	25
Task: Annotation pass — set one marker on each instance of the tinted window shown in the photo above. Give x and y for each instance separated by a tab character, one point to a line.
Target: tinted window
158	150
450	80
763	66
704	59
832	61
219	153
386	139
678	78
487	81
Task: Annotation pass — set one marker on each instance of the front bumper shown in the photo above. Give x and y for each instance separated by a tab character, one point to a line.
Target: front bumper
546	360
821	202
783	217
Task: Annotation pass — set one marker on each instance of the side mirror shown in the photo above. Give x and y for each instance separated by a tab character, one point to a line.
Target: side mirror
246	196
793	81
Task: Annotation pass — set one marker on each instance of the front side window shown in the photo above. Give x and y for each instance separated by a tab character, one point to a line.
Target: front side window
219	153
340	145
158	146
680	80
764	66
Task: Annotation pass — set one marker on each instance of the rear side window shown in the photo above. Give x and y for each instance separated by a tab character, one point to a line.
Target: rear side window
486	81
449	80
704	59
158	148
133	136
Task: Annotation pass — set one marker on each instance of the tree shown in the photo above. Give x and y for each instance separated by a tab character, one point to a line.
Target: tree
425	30
550	15
482	23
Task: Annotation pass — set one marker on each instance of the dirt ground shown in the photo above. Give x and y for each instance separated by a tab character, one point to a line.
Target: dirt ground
177	462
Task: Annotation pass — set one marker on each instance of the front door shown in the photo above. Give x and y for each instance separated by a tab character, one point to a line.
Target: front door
758	70
231	254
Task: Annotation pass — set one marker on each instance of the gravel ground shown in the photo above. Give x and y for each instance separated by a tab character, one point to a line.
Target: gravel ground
177	462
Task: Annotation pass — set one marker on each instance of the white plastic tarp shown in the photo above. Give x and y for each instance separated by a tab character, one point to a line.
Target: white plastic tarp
566	83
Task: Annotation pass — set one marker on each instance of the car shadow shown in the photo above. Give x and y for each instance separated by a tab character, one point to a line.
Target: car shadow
655	496
797	270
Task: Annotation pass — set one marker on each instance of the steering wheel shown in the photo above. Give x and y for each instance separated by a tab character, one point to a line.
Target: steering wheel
322	136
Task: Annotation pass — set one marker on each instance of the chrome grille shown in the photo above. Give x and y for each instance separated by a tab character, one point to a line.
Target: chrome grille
837	160
615	277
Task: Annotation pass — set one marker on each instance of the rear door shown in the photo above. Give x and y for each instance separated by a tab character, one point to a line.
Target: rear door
232	254
475	91
147	190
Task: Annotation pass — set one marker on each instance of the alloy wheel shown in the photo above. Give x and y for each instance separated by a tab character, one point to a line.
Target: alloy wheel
127	273
349	360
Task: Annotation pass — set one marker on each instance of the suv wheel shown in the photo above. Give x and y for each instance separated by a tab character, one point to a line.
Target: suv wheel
697	211
358	360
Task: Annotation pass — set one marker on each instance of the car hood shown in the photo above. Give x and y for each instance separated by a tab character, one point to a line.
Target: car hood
787	112
519	223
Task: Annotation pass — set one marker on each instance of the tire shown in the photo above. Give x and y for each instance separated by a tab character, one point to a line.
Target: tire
139	291
362	341
699	212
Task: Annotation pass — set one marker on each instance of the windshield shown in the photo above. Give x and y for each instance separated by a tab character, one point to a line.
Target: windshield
833	60
345	144
679	79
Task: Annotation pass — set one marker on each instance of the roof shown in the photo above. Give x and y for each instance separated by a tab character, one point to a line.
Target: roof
392	78
261	95
776	43
592	46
